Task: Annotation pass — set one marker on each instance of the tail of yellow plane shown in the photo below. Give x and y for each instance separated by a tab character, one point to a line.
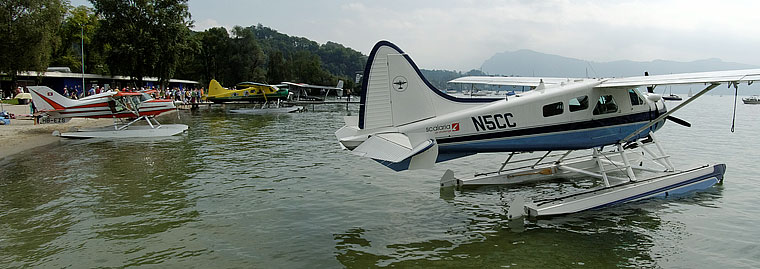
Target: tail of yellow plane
214	89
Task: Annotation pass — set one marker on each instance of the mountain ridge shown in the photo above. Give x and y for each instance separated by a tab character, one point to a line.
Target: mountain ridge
525	62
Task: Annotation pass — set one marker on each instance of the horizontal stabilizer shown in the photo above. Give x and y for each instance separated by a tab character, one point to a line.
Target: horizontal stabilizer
392	147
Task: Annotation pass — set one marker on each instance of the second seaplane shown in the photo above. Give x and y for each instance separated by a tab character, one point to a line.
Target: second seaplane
126	109
406	123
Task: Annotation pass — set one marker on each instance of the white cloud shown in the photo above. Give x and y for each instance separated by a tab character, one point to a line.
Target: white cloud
450	34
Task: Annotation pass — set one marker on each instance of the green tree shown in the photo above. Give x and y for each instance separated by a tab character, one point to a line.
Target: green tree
212	60
79	26
28	34
277	69
246	58
307	68
145	38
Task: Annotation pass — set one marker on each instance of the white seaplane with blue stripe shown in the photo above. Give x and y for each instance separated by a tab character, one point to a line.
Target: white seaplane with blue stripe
406	123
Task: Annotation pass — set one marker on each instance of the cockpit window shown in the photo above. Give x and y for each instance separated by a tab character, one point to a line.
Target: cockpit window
635	99
578	103
605	105
553	109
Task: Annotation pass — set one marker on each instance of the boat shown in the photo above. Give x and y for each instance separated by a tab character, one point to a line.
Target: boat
245	92
672	97
752	100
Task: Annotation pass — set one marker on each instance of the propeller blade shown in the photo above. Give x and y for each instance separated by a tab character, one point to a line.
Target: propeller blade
679	121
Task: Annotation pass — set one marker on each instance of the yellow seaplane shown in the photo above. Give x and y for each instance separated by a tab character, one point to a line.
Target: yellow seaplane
245	92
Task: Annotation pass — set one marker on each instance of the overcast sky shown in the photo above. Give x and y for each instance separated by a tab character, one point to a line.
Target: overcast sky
460	35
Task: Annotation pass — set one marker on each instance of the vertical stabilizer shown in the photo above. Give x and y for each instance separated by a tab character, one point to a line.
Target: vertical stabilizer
395	93
215	89
46	99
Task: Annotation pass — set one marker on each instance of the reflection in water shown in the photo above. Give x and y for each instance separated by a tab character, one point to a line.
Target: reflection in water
89	195
33	209
621	236
276	191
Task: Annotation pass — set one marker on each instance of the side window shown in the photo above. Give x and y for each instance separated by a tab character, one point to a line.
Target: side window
553	109
635	99
578	103
605	105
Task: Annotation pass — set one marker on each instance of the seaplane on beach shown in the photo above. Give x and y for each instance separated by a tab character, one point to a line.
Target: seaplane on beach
593	127
126	108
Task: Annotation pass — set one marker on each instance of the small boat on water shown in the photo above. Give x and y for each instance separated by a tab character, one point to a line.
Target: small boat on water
752	100
672	97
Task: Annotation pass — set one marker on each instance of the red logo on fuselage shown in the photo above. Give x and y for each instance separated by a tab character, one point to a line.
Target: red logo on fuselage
49	94
446	128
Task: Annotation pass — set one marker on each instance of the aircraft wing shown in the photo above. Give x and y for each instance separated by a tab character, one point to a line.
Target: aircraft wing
747	75
510	81
304	85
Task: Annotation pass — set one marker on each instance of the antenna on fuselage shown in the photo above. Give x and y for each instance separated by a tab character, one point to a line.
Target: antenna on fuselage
650	89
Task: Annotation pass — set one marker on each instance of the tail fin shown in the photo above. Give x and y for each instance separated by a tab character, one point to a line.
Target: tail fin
46	99
214	88
395	93
340	84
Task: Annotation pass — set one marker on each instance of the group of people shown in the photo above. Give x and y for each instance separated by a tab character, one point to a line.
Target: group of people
185	95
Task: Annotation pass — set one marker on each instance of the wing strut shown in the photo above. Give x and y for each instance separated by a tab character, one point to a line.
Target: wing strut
666	114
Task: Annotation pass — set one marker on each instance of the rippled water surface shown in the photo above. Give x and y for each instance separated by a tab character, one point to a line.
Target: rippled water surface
276	191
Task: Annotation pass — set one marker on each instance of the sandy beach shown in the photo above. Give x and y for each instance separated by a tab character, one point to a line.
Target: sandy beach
22	134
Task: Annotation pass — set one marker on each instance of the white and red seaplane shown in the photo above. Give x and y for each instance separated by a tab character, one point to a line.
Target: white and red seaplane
406	123
126	108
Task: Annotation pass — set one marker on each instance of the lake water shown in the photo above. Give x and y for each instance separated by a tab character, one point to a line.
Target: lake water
276	191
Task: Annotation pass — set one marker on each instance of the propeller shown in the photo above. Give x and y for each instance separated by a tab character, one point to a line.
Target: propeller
679	121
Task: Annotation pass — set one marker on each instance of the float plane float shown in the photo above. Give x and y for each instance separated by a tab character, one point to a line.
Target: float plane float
406	123
129	106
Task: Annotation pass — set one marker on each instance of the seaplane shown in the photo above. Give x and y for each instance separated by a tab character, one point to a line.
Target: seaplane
126	109
245	92
303	89
598	128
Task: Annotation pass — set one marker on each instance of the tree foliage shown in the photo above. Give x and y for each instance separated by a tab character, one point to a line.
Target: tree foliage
28	34
261	54
146	37
79	26
153	38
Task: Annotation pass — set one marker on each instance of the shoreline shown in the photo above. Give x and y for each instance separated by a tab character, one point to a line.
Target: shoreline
22	134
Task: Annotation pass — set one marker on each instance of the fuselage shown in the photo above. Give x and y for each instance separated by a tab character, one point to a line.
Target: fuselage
245	92
566	117
119	105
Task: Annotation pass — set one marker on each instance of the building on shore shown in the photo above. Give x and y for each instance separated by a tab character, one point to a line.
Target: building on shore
57	78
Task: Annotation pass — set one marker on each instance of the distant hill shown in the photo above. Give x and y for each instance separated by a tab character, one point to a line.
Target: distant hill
532	63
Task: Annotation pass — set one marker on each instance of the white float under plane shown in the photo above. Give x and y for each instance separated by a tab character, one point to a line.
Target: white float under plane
406	123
